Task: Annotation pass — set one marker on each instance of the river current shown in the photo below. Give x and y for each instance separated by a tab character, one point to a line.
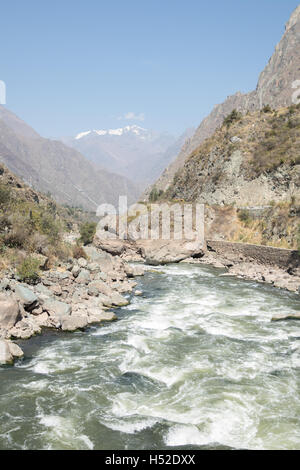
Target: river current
193	363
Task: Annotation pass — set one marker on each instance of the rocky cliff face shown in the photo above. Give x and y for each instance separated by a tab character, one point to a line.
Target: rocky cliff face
252	162
274	88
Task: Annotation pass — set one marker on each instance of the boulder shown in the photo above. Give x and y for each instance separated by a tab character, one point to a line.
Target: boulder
101	287
76	270
98	316
56	289
74	322
26	296
82	262
6	356
43	261
114	300
84	276
114	247
93	291
103	259
15	350
4	284
286	316
57	310
133	271
9	312
8	351
93	267
25	329
101	276
156	252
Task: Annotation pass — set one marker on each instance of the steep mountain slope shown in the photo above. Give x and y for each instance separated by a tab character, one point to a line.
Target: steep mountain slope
131	151
248	175
16	124
33	224
250	160
51	166
274	88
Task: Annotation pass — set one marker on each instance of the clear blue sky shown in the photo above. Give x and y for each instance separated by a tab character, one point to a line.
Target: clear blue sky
72	65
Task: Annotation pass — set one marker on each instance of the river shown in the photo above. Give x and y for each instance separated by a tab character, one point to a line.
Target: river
194	363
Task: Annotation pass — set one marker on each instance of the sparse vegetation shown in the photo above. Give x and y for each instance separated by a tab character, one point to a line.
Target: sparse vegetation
28	270
267	109
244	216
87	232
78	252
5	197
155	194
31	223
234	116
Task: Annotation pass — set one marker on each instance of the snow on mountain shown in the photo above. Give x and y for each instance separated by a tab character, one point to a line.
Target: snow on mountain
137	130
131	151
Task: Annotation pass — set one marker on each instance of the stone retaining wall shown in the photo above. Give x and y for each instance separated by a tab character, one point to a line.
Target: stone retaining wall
268	255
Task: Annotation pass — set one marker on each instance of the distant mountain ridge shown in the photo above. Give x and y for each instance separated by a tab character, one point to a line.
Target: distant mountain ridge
51	166
274	88
132	151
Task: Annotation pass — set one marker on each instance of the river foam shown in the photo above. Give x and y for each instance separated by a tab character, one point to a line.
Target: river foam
195	361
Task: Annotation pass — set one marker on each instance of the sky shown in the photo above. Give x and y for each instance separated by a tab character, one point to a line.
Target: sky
74	65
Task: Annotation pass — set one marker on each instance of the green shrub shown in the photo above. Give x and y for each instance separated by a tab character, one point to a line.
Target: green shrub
267	109
5	223
155	194
28	270
244	216
87	232
234	116
5	196
16	238
49	227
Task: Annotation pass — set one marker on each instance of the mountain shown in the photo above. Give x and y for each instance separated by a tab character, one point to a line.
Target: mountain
274	88
51	166
131	151
251	160
248	176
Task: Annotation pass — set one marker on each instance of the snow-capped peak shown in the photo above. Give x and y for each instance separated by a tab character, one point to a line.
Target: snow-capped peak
137	130
82	134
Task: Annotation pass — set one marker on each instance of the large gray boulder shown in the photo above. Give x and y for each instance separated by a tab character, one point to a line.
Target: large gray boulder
156	252
25	329
84	276
74	322
9	312
82	262
133	271
96	315
113	300
103	259
9	351
27	298
57	310
6	356
101	287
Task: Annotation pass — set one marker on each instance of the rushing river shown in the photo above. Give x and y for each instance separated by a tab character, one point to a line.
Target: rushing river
195	362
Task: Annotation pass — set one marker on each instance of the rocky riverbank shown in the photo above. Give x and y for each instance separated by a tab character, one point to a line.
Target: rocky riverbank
240	268
256	268
69	297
